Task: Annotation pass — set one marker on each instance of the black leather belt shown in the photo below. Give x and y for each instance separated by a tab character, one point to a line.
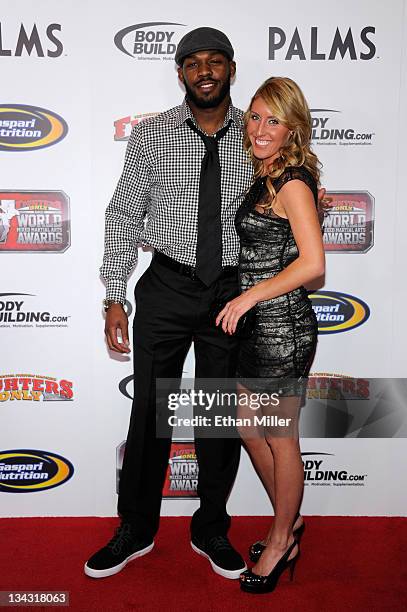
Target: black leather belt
186	270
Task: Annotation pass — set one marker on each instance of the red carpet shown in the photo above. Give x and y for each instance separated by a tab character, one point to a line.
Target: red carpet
346	564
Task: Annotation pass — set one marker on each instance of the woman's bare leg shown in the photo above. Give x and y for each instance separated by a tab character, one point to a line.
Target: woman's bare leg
256	445
261	455
288	487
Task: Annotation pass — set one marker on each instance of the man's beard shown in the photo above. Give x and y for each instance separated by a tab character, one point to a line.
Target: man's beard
211	102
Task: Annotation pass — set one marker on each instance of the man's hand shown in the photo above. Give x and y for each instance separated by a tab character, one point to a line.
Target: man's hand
116	319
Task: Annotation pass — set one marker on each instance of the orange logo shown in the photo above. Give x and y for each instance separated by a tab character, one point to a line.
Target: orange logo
26	128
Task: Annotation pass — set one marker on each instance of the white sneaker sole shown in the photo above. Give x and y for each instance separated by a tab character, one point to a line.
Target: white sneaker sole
231	574
93	573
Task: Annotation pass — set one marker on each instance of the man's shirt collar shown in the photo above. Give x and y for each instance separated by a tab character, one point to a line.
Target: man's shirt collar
185	113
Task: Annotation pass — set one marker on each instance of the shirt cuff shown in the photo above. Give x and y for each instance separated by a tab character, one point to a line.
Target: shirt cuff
116	290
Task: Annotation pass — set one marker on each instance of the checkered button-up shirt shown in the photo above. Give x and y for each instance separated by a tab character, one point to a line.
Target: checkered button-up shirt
156	199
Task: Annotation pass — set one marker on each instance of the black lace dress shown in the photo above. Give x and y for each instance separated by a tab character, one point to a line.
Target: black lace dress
283	331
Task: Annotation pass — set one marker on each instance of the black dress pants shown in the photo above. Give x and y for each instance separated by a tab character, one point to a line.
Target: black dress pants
172	311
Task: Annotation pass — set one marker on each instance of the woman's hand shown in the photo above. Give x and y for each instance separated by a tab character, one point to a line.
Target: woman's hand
233	310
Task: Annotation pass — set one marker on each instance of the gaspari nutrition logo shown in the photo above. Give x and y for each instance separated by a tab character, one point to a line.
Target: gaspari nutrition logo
21	310
348	222
338	312
331	128
318	44
321	469
27	470
27	128
154	40
325	386
124	125
34	388
34	41
34	221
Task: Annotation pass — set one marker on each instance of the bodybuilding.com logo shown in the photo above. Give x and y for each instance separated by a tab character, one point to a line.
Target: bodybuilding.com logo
153	40
329	127
317	473
19	310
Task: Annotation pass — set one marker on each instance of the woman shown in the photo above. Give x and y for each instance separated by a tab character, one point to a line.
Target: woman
281	251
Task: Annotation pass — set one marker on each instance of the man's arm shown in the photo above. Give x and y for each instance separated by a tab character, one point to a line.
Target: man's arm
124	222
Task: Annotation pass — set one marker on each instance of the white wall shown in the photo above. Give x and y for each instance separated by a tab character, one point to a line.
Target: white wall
92	84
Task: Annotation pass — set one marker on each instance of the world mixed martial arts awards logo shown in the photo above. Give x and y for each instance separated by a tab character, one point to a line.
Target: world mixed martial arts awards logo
34	222
181	480
28	470
27	128
349	222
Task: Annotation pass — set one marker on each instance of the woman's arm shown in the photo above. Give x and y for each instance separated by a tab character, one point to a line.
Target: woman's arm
296	200
298	203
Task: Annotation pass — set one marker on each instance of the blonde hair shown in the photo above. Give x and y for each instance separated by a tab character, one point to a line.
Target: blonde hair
287	103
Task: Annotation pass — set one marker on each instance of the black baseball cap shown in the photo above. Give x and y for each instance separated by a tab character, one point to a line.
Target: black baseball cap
203	39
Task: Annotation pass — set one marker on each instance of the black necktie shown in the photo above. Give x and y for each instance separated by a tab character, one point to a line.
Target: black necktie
209	243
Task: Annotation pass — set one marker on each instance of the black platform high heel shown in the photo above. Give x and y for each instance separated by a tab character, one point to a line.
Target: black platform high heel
254	583
257	548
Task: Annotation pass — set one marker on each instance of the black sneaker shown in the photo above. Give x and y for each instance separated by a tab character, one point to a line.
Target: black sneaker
224	559
122	548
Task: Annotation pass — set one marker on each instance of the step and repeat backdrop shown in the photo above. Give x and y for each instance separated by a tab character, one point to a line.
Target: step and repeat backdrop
74	82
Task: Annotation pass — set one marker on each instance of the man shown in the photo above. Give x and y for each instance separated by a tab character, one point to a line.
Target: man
184	177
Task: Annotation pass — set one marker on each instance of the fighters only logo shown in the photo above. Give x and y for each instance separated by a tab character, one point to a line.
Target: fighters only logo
34	387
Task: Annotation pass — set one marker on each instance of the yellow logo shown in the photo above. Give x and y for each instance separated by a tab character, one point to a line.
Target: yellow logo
27	471
338	312
25	128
